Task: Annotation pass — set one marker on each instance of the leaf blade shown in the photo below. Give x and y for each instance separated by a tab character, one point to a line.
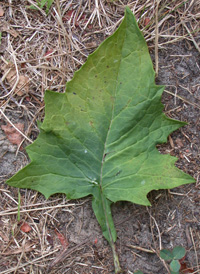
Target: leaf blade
175	265
178	252
99	137
166	255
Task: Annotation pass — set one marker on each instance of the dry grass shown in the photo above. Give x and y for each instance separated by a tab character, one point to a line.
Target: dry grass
47	50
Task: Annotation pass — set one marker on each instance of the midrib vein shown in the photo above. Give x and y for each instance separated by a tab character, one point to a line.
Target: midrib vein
111	121
103	159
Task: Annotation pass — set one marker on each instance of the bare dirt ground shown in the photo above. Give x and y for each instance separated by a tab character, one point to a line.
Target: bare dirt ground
40	52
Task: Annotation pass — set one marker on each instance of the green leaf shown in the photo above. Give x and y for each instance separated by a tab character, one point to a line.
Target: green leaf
99	137
41	4
178	252
166	255
175	265
138	272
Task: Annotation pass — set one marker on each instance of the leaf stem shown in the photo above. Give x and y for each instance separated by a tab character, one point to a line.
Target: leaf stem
115	258
111	241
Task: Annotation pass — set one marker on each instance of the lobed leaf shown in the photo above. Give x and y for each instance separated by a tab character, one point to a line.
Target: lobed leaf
99	138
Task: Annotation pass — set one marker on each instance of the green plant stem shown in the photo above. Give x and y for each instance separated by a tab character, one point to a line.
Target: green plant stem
111	241
115	259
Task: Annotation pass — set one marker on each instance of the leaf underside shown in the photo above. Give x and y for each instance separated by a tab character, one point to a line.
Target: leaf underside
99	137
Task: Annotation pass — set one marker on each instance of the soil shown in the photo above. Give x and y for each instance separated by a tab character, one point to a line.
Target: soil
172	220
